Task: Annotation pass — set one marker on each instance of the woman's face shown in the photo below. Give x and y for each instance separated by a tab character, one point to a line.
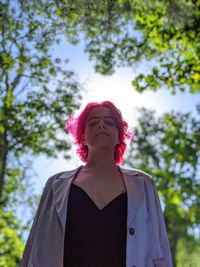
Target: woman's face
100	129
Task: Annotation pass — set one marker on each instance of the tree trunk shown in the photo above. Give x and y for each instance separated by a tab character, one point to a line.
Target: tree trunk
173	247
3	159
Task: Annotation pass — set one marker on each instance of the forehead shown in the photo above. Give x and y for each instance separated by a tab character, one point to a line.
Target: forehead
99	112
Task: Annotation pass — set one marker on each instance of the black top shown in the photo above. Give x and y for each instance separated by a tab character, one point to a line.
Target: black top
94	237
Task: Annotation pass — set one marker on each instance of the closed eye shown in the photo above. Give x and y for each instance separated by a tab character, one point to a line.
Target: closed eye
110	122
93	122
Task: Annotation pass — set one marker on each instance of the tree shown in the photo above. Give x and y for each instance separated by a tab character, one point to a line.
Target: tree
37	94
11	242
165	35
168	148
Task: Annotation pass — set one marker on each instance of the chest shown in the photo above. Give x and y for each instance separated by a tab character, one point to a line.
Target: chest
102	188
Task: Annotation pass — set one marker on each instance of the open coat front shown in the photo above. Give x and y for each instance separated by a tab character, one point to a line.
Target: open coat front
147	242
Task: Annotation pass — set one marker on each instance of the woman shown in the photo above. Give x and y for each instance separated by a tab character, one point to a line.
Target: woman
99	215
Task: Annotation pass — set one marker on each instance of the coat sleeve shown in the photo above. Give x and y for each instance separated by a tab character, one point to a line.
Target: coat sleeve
29	243
164	241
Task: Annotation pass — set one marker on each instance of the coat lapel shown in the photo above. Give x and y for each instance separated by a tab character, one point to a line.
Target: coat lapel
61	187
135	190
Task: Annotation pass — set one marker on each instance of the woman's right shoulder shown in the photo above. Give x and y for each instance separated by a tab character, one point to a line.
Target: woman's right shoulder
61	175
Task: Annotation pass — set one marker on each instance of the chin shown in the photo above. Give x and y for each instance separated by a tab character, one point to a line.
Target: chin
106	146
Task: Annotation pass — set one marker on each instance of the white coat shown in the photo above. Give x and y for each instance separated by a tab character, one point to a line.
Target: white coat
147	242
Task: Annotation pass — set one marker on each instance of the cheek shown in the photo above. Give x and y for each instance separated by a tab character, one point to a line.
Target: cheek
118	135
115	137
87	135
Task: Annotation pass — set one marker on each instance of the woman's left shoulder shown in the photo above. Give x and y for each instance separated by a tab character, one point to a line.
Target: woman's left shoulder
139	173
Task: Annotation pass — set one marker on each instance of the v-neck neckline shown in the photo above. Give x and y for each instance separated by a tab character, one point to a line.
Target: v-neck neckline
92	201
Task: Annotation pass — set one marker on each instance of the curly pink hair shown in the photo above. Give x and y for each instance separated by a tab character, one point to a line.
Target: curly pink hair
76	127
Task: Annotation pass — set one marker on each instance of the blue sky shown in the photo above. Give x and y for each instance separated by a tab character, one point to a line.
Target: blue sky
116	88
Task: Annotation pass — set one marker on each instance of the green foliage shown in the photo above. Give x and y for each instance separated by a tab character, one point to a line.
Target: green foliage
37	94
11	244
188	253
37	91
168	148
164	35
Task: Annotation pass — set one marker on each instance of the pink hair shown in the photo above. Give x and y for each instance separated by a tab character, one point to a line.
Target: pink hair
76	127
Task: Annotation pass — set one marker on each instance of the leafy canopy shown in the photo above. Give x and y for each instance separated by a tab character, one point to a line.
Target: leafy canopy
37	91
37	94
164	35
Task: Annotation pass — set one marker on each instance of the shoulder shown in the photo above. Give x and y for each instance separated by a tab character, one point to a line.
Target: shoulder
139	173
61	175
145	179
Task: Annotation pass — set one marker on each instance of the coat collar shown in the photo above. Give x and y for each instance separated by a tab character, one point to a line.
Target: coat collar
134	183
134	186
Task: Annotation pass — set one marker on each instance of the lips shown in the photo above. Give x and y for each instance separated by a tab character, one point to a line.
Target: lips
102	133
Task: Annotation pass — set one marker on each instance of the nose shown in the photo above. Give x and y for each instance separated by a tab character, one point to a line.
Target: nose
101	124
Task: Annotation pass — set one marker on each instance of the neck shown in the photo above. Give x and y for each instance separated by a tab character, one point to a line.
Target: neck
100	161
